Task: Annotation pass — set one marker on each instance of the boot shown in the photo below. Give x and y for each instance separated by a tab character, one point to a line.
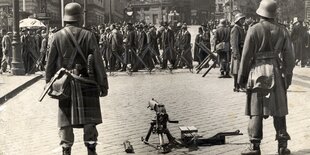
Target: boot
254	149
282	136
66	150
91	149
282	148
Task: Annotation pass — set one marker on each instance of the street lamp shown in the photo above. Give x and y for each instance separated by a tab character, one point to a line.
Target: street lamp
17	64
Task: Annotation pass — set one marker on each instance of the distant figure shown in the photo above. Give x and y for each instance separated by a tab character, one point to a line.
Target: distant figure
237	36
222	47
6	51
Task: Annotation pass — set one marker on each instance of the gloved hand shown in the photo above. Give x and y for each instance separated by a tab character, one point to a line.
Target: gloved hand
103	92
289	78
242	82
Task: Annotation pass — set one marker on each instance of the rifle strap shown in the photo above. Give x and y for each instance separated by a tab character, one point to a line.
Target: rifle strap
77	46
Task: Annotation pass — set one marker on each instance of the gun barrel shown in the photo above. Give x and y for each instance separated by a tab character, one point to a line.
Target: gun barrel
173	121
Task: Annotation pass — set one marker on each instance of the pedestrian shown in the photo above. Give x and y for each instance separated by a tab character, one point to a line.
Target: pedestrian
116	42
266	70
168	42
43	51
197	49
82	108
29	53
185	46
222	47
299	37
237	36
6	51
1	53
143	52
130	47
177	36
206	36
153	45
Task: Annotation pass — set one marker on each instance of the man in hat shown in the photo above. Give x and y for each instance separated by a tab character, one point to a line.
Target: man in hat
153	44
130	46
222	47
168	42
237	36
266	70
145	59
82	108
185	48
299	35
178	35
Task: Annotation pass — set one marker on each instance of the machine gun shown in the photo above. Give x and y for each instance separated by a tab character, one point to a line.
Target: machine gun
210	57
158	126
190	137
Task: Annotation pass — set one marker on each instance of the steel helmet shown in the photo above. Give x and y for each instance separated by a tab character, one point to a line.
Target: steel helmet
73	12
267	8
239	16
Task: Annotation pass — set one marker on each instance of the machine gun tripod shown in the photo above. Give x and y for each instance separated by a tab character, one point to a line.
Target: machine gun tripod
158	126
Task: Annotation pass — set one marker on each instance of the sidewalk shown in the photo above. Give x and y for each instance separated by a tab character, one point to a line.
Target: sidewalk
11	85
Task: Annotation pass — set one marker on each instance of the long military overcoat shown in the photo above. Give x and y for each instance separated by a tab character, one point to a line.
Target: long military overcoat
61	49
274	102
237	37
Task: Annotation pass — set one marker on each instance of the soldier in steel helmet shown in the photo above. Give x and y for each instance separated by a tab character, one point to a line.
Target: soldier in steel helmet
266	70
222	47
237	36
82	108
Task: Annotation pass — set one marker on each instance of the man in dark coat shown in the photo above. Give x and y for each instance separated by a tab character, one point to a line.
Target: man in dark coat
116	48
130	46
237	36
153	44
145	59
299	37
29	53
6	50
168	41
222	46
82	108
185	48
177	44
266	70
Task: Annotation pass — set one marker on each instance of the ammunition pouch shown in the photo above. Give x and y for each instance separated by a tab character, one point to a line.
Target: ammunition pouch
60	88
261	76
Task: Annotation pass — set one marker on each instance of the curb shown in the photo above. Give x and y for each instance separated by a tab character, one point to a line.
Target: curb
20	88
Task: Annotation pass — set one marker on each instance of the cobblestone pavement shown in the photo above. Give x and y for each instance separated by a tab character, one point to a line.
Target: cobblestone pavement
29	127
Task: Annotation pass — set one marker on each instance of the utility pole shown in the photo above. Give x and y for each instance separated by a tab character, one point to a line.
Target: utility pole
17	63
161	11
110	12
24	5
62	12
85	14
231	10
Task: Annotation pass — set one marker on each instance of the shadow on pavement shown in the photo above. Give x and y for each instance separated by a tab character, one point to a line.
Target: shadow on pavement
301	152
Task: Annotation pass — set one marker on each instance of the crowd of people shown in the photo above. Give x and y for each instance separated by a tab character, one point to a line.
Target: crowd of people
139	46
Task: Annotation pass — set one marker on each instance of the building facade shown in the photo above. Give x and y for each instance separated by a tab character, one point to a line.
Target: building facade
49	11
114	11
202	11
189	11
